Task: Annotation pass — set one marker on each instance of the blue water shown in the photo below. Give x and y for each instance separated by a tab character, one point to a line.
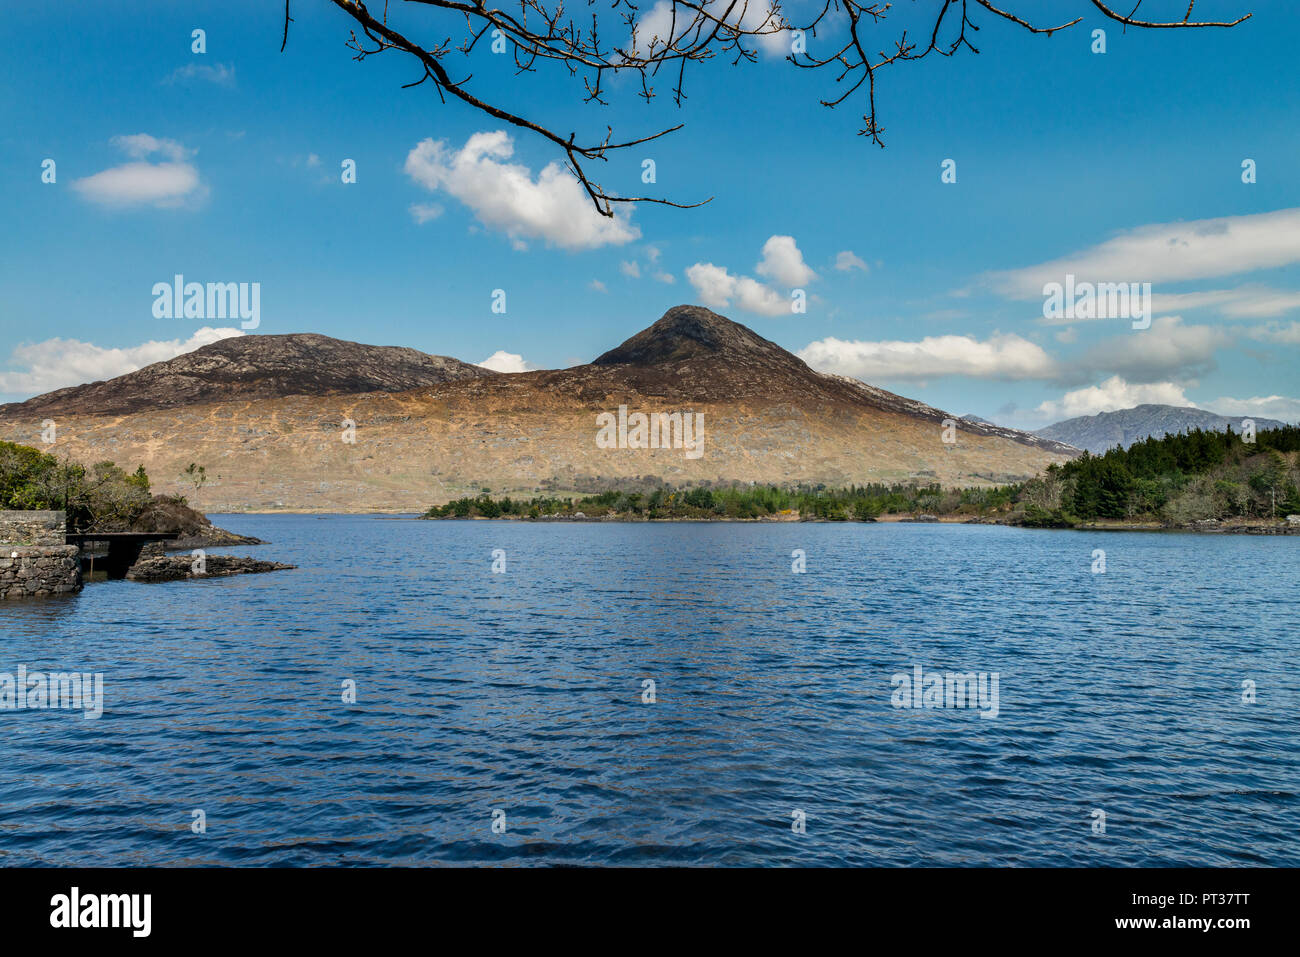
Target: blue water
522	692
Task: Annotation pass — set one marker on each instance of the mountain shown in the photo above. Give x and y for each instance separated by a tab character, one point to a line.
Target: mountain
255	367
268	423
689	332
1105	430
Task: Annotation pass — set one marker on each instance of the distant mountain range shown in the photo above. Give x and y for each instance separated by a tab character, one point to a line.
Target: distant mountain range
1105	430
266	415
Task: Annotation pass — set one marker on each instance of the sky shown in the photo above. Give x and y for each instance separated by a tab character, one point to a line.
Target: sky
228	165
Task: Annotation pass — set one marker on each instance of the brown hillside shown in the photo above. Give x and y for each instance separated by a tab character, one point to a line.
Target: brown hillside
278	441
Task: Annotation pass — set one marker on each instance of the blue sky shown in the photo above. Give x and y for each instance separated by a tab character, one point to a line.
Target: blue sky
1124	166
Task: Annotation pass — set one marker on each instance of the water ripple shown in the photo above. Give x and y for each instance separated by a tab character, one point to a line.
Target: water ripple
521	693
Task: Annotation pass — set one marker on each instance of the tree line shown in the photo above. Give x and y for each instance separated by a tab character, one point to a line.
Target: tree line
1194	476
100	497
1175	479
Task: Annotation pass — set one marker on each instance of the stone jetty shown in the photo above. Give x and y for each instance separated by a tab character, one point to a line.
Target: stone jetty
35	559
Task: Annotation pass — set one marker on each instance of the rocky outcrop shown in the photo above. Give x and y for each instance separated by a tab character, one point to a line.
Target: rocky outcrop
170	568
172	514
1255	528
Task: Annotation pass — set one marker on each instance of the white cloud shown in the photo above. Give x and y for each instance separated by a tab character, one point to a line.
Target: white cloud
783	262
630	269
502	361
760	16
423	212
505	196
666	278
652	253
597	285
1110	395
142	145
846	260
1245	302
1005	357
1179	302
37	367
1267	407
717	288
1168	252
221	74
774	44
1287	335
657	28
1168	350
167	184
1261	304
164	184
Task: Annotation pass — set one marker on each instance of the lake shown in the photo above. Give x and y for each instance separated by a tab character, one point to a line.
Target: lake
504	717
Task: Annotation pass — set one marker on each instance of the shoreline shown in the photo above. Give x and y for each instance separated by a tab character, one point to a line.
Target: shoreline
1220	528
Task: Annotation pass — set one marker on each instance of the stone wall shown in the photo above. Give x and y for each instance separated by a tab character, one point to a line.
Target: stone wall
33	528
35	561
38	571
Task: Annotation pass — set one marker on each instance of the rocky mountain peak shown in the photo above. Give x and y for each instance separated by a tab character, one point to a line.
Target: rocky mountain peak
689	332
257	367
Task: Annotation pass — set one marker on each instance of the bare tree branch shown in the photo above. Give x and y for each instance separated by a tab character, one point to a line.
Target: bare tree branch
284	42
1150	25
538	32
